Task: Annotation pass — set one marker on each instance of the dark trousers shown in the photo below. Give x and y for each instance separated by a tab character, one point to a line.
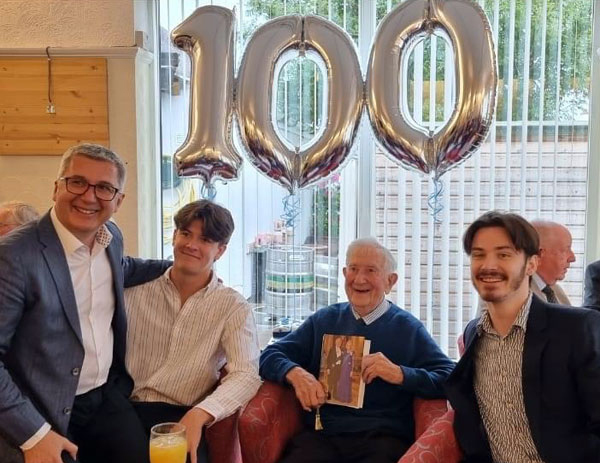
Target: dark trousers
106	428
151	413
103	425
370	447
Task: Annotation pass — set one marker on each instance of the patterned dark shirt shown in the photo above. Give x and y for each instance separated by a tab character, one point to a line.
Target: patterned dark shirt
499	390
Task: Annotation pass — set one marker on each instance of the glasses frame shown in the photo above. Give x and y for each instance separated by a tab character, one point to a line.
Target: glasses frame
68	179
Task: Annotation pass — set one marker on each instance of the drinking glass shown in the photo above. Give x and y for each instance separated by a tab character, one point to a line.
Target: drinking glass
168	443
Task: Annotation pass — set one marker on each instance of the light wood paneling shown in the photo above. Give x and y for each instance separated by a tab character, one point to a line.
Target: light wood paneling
79	96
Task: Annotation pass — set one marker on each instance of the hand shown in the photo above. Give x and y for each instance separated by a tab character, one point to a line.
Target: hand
378	365
194	420
309	391
49	449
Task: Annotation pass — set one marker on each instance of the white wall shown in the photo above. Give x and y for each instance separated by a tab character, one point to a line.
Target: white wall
66	23
99	28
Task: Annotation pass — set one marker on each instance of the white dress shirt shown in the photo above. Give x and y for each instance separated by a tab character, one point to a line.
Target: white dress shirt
175	353
92	280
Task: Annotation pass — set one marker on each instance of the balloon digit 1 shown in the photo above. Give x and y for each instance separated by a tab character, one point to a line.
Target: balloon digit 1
208	37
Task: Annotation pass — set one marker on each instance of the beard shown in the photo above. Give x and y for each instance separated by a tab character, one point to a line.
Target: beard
496	295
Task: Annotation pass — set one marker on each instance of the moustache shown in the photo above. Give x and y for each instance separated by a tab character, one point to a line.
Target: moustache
492	274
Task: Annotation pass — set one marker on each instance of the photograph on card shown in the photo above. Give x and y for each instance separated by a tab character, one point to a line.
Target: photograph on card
340	372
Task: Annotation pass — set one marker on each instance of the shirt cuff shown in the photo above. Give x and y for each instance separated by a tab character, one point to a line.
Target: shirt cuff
212	407
38	436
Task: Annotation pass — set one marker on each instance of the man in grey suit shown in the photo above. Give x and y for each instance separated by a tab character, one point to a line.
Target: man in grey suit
63	383
591	291
555	257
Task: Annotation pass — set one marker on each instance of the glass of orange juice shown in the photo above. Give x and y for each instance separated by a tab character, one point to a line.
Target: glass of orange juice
168	443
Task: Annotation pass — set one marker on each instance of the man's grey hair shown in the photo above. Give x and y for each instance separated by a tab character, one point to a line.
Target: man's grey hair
390	261
21	213
97	153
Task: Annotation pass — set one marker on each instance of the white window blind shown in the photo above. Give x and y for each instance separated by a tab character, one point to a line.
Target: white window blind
534	161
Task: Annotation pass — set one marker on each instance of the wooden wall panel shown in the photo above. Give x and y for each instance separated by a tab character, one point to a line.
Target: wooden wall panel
79	96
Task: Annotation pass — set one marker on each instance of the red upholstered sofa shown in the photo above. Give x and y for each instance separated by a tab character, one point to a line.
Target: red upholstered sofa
273	416
223	441
222	438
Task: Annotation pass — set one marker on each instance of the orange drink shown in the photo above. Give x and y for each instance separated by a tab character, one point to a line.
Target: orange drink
168	443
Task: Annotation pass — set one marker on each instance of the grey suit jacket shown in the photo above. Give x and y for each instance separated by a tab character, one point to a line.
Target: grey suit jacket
561	296
591	291
41	351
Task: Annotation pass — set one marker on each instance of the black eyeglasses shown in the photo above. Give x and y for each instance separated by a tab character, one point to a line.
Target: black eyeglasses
79	185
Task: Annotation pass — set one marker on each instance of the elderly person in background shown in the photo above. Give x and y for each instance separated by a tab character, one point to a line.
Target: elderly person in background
13	214
405	362
554	258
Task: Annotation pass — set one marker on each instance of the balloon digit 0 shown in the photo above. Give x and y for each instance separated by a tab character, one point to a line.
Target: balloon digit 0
267	152
465	25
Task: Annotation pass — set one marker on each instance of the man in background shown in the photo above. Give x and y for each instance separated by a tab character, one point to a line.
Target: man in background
554	258
13	214
591	290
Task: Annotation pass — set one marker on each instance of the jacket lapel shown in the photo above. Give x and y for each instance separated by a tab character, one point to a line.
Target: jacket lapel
535	342
58	268
461	392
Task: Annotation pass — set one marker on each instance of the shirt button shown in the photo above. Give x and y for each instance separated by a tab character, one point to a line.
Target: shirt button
75	371
67	410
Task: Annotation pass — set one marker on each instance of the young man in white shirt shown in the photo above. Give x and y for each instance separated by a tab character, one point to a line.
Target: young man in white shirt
185	326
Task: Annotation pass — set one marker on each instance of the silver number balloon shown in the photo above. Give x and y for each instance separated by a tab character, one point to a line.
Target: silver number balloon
268	153
467	28
208	37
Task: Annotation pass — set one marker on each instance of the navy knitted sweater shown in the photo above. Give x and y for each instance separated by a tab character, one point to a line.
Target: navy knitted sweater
387	407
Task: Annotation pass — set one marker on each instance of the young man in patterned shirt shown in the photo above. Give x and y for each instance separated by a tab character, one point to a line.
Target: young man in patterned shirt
185	326
526	388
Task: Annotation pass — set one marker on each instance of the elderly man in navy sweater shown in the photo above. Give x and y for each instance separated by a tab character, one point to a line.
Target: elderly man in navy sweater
404	362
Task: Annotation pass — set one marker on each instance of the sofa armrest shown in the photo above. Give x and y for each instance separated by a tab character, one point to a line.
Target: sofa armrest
426	412
269	420
437	444
223	441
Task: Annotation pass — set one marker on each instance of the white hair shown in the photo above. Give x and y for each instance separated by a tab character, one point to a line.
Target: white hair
20	212
390	261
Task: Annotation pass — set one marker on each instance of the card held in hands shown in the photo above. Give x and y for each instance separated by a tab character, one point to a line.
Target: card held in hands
340	371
